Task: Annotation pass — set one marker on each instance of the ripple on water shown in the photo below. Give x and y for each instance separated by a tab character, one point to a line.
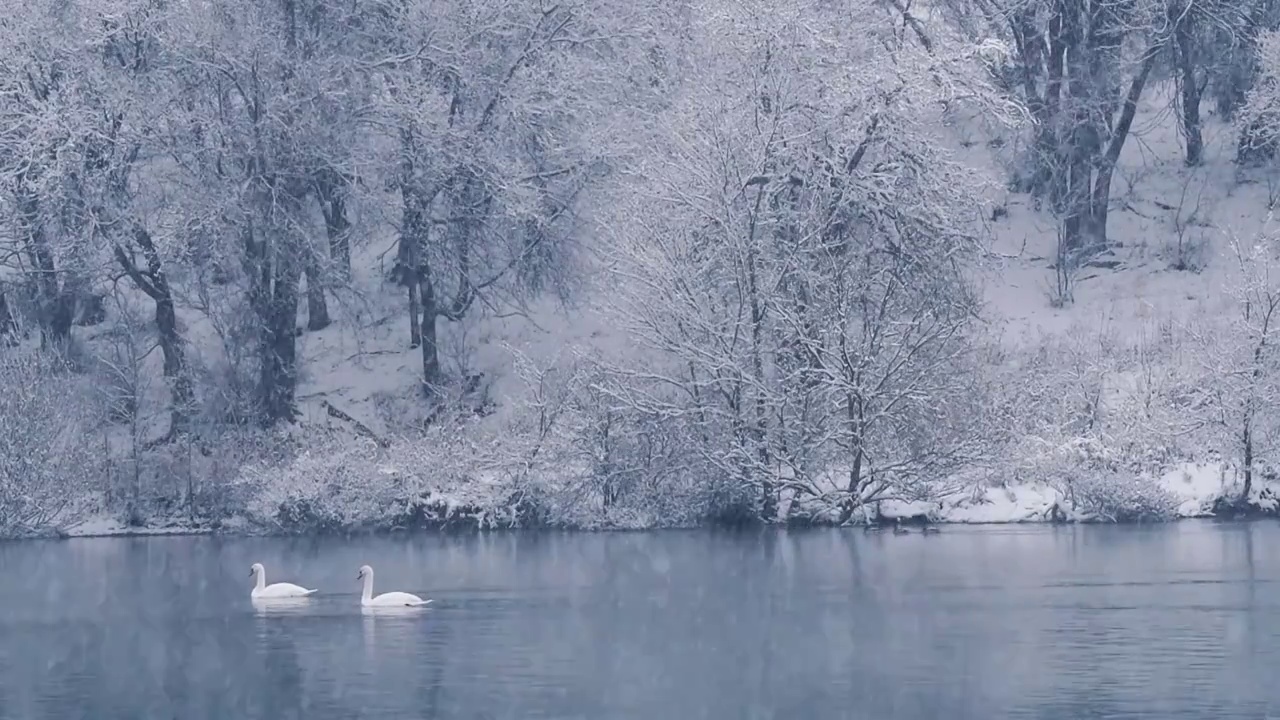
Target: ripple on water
1172	623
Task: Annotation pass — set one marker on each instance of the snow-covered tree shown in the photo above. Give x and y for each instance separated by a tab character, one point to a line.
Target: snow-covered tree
47	447
501	114
794	249
1242	359
263	125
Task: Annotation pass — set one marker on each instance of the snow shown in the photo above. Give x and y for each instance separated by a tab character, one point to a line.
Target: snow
1195	487
363	364
108	526
1020	503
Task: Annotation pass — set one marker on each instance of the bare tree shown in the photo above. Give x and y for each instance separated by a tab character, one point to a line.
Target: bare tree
257	89
47	447
1242	362
794	256
500	114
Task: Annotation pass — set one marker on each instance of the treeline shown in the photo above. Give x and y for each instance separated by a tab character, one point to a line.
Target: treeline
762	200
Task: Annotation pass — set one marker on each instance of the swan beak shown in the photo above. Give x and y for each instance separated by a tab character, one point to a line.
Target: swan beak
250	573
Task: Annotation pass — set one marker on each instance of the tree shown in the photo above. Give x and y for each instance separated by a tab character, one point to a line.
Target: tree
1070	67
794	253
501	114
133	84
42	78
261	84
1242	363
46	448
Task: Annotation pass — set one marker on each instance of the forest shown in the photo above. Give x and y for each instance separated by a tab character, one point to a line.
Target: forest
308	265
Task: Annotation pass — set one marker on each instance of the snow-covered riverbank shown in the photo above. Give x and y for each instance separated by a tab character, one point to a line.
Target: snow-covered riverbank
1194	489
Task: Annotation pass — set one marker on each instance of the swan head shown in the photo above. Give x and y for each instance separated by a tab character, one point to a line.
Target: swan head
365	571
256	569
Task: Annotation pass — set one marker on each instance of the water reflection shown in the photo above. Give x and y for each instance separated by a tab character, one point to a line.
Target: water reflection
281	606
1031	622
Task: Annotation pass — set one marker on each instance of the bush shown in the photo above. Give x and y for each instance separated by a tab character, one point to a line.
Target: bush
1120	498
422	482
47	453
1097	486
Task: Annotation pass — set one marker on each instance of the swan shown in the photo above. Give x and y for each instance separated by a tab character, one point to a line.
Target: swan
263	591
391	599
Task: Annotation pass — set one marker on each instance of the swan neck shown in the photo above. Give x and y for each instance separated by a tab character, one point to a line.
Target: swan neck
367	592
262	580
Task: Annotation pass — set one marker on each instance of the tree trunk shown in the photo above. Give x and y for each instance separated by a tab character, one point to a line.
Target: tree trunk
854	414
273	293
1048	176
1247	439
155	283
8	325
432	378
409	260
1101	194
1077	152
415	312
279	342
1235	73
1189	88
181	396
56	309
317	308
331	191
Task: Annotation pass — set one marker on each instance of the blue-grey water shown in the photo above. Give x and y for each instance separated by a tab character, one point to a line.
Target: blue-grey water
1176	621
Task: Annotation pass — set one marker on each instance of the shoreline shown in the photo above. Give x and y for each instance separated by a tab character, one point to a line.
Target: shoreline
1189	491
172	531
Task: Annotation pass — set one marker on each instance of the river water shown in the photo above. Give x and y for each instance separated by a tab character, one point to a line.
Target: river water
1172	621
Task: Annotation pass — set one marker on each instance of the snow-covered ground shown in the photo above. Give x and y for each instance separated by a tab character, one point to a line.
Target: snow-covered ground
364	366
1195	487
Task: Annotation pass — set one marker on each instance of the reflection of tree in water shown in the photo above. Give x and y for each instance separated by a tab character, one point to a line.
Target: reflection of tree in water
398	642
280	685
1251	577
429	690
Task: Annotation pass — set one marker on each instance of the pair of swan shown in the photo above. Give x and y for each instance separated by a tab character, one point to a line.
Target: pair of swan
277	591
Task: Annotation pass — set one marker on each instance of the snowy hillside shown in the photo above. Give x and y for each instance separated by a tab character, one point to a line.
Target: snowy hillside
687	268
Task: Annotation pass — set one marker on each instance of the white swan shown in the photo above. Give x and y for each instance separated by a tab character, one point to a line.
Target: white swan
391	599
263	591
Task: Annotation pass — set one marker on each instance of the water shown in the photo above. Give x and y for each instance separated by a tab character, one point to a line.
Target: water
1177	621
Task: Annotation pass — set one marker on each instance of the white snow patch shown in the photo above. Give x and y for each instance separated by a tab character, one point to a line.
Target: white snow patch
1196	486
108	526
1015	504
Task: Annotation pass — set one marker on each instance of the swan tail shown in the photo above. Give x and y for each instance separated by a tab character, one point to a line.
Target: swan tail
311	592
420	603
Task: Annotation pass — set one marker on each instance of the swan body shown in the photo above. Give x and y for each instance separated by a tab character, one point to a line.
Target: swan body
391	599
263	591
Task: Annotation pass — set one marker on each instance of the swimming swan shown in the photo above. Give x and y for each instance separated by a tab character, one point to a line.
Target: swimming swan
391	599
263	591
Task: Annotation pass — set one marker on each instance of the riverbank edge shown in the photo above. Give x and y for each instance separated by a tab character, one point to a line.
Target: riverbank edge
176	531
119	530
1189	491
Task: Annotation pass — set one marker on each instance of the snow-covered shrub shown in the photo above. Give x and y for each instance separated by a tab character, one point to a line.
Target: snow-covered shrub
1096	417
1095	484
47	444
571	453
344	484
1259	119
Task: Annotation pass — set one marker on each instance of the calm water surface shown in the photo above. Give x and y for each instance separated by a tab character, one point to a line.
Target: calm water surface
1177	621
